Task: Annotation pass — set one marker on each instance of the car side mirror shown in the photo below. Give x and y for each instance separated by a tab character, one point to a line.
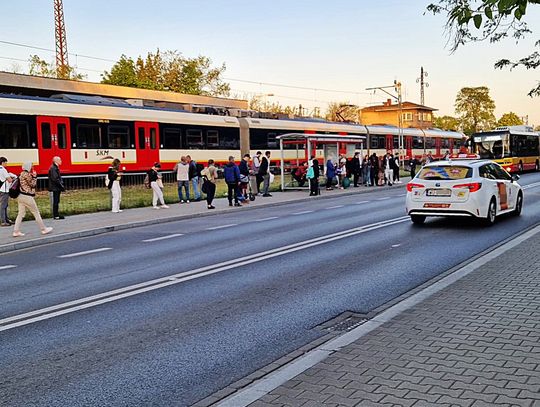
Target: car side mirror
515	177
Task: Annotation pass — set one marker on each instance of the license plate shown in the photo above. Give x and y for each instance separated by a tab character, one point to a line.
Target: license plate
438	192
436	205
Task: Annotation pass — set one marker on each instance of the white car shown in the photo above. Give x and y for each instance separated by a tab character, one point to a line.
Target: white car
463	187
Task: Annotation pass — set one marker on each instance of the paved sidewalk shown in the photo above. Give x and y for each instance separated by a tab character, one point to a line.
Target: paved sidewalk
474	343
101	222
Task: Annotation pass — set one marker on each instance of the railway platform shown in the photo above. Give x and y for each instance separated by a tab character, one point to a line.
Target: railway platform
471	338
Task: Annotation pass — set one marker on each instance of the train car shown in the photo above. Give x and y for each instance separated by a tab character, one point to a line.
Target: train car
86	133
262	136
416	142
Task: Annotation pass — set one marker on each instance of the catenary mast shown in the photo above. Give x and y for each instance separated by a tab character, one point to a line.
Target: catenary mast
62	65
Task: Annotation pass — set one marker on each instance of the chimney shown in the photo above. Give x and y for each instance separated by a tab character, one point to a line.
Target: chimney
388	102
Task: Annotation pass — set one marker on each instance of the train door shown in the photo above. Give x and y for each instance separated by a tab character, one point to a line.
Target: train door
438	143
54	139
389	143
408	146
147	144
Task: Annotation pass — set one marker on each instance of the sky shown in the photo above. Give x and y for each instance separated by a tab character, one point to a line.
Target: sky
336	49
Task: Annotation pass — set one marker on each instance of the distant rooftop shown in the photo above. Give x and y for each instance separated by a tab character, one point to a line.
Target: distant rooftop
388	106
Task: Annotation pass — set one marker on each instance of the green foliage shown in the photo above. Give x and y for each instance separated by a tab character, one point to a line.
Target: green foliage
40	67
493	20
447	123
509	119
169	71
260	104
475	109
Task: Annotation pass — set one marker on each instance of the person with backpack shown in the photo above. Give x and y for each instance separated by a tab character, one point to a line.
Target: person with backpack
209	177
194	177
6	178
313	177
157	193
114	176
25	200
231	173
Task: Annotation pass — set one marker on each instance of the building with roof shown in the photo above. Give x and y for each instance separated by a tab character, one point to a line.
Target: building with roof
414	115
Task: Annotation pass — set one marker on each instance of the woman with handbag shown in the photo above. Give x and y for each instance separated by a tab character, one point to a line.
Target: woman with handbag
25	200
209	176
114	176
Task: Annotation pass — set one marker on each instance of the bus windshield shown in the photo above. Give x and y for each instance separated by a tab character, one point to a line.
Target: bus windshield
492	146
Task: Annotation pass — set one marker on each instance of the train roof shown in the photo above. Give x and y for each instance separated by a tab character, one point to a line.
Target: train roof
300	124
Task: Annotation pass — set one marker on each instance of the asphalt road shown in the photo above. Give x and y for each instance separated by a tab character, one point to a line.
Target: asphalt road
169	314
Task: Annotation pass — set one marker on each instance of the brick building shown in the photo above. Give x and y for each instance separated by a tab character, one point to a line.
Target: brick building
414	115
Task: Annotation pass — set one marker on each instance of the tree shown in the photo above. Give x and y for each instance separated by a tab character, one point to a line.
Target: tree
509	119
446	123
342	112
493	20
40	67
169	71
475	108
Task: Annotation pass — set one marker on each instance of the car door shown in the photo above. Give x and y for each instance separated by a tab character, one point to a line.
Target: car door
510	189
491	186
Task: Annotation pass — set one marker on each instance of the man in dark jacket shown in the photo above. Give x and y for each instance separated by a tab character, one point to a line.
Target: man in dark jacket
56	186
374	166
232	177
264	170
355	168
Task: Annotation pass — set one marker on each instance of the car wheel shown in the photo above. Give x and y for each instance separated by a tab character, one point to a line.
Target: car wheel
519	205
491	213
418	219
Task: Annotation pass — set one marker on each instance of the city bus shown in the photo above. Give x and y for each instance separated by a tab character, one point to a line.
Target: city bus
515	148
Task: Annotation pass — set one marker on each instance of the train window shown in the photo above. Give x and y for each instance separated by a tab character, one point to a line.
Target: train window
445	143
14	135
153	141
118	136
272	142
194	139
229	139
46	135
62	136
396	142
142	141
212	139
430	142
89	136
172	138
418	142
374	142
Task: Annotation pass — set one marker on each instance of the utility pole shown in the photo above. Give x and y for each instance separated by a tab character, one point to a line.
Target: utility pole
397	96
62	65
423	84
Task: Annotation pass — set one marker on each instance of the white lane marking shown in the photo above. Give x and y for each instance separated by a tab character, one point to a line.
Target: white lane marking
8	266
265	219
129	291
396	245
335	207
222	226
301	213
533	185
155	239
384	198
261	387
361	202
103	249
400	195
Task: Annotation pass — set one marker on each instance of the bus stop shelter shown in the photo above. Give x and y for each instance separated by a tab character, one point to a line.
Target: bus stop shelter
308	141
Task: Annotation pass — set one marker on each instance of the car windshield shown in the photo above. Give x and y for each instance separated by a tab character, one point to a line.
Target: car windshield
445	172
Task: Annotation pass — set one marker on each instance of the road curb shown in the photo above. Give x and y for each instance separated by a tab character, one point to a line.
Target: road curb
55	238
